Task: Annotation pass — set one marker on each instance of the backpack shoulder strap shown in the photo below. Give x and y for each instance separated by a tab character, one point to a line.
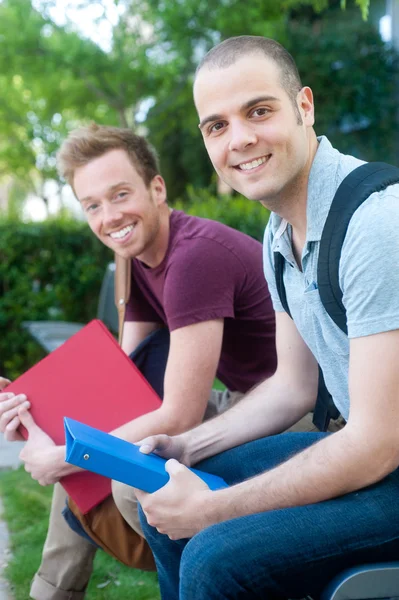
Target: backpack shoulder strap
279	274
325	408
353	191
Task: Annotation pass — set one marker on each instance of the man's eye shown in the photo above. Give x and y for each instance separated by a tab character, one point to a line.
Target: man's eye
216	127
121	195
91	207
260	112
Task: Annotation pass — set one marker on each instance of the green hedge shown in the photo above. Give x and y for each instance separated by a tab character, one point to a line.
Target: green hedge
247	216
53	271
48	271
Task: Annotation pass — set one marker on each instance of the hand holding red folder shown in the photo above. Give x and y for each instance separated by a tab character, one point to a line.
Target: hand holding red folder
89	378
10	404
39	453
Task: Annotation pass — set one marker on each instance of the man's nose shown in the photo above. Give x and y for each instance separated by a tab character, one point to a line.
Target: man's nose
242	135
112	215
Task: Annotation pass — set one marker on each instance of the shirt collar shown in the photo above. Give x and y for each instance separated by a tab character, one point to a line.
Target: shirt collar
321	189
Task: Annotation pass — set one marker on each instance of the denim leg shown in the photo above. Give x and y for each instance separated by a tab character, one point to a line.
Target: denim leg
291	553
167	558
288	553
255	457
233	465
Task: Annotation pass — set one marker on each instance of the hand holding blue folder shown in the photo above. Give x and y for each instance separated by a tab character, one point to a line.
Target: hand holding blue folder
105	454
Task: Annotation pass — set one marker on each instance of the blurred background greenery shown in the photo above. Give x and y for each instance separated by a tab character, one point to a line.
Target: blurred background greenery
131	63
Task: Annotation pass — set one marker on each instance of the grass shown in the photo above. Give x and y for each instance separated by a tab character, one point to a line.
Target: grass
26	511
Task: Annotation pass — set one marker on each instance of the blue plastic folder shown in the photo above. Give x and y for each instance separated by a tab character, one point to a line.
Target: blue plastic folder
105	454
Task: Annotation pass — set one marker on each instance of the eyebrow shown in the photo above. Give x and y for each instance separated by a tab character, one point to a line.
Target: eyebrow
110	190
246	105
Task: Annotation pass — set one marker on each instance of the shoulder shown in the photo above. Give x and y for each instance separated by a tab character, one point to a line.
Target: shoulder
369	265
196	238
377	218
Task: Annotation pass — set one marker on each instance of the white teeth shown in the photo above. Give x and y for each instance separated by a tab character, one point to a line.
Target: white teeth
117	235
254	163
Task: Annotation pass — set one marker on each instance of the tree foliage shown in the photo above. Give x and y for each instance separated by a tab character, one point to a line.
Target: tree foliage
56	78
354	78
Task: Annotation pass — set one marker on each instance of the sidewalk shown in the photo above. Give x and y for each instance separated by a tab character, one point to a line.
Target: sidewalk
8	460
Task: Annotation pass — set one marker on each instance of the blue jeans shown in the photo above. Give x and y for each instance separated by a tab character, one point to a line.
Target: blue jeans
287	553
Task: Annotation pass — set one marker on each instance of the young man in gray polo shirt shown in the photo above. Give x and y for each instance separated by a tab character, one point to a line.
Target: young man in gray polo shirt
301	507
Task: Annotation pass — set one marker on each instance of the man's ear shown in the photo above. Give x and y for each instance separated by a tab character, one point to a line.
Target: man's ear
306	106
158	189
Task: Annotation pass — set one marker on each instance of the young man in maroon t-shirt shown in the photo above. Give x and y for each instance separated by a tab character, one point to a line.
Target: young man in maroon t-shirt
201	280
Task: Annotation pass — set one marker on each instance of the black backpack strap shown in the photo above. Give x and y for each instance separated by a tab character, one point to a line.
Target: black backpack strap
279	261
325	408
353	191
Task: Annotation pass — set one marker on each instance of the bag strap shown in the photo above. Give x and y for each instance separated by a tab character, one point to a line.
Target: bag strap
353	191
325	408
279	261
123	277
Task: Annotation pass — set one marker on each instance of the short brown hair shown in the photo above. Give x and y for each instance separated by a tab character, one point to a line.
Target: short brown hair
228	52
86	143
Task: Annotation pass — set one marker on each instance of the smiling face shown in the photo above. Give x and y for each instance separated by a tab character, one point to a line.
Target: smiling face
258	141
121	210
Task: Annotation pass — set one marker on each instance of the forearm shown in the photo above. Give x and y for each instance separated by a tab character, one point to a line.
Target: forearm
270	408
60	468
190	371
161	420
307	478
158	421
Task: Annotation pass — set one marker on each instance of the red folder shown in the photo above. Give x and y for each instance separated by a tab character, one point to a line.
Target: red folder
89	378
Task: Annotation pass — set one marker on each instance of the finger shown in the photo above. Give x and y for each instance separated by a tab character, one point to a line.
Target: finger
183	475
155	443
4	382
5	396
8	401
13	436
158	444
173	467
7	415
13	425
26	419
6	418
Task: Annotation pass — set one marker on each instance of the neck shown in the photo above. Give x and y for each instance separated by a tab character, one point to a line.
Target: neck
291	204
156	252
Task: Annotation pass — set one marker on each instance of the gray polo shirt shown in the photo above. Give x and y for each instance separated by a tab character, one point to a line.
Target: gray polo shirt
368	272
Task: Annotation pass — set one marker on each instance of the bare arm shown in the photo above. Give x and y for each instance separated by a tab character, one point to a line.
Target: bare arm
48	460
364	452
269	408
193	359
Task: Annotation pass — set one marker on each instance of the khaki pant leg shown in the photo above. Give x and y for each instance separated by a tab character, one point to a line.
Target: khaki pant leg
126	502
123	494
67	558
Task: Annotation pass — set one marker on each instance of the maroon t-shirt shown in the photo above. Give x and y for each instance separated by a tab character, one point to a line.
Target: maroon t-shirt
211	271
